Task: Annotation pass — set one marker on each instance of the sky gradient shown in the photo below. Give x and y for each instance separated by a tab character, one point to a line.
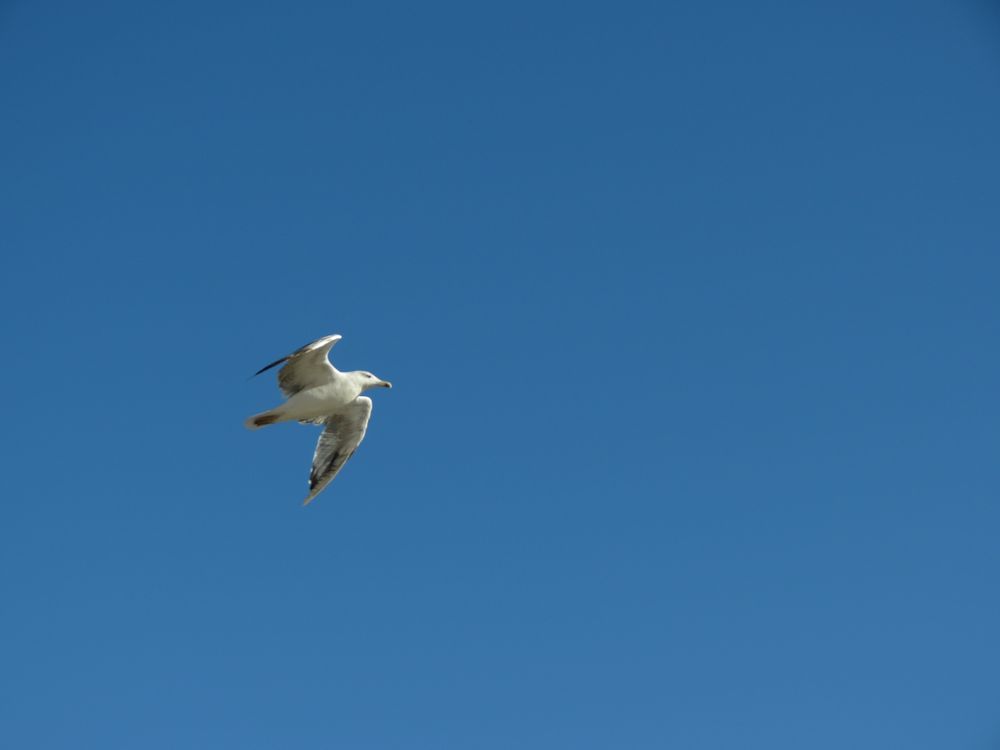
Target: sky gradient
691	312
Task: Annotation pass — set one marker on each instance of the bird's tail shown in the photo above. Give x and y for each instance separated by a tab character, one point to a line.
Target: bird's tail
261	420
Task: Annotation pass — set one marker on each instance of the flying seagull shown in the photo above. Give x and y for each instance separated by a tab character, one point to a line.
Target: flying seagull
318	393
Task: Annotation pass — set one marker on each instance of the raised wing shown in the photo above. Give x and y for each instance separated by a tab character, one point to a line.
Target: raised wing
342	436
307	367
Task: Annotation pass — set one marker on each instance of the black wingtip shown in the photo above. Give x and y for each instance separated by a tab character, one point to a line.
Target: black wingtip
268	367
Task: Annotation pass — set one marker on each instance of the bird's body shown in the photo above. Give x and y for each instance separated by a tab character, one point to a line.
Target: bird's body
318	392
321	400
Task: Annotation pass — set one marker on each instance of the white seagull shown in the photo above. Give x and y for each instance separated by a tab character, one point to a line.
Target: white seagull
318	393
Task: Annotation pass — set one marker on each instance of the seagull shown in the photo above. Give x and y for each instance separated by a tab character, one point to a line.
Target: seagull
318	393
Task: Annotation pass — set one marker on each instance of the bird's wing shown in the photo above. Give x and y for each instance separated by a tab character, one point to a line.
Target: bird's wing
306	367
342	436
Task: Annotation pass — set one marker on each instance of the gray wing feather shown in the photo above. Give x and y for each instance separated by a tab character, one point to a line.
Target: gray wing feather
342	436
307	367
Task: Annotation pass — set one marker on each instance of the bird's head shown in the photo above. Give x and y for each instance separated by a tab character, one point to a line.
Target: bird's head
370	381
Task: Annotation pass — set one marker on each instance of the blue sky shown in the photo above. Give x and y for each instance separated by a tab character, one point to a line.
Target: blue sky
691	312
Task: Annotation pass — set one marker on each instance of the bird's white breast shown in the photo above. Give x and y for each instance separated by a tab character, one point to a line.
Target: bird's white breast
322	400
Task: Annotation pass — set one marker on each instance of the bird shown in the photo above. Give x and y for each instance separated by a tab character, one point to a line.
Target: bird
318	393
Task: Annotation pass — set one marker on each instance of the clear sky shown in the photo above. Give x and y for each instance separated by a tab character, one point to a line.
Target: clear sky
692	315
